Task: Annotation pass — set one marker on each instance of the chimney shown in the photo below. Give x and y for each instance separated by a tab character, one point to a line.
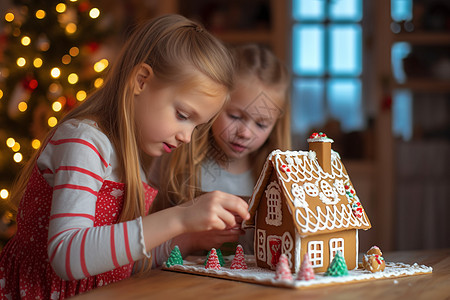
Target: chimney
321	144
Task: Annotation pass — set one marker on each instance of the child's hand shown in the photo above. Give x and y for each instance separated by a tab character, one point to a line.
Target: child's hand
214	211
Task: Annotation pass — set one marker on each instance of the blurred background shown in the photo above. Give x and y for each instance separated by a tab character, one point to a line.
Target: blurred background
373	75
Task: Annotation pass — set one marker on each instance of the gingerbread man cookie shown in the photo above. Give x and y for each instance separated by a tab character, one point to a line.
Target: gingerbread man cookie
373	261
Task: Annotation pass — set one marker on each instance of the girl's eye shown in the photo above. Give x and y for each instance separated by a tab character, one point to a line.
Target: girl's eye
234	117
261	125
181	116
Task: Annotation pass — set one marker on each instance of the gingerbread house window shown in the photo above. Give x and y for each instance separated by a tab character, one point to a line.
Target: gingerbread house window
315	250
273	196
336	244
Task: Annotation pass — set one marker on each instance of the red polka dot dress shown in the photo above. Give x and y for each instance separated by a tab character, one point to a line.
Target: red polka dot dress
69	239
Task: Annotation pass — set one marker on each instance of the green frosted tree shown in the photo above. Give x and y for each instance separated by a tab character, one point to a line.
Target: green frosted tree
337	267
175	257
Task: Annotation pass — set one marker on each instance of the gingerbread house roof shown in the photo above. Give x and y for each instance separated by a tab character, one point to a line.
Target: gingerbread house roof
318	201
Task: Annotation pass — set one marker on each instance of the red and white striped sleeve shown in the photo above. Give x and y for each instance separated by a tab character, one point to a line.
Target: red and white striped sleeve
76	161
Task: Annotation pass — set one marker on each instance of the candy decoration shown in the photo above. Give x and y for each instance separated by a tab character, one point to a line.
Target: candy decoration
338	267
219	256
285	168
282	271
373	260
306	271
213	260
174	257
239	259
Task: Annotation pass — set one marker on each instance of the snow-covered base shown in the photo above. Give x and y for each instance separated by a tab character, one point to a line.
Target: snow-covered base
254	274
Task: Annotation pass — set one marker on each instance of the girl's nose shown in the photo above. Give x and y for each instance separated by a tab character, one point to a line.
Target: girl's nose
243	130
184	136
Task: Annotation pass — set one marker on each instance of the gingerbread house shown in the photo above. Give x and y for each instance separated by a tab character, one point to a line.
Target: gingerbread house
304	202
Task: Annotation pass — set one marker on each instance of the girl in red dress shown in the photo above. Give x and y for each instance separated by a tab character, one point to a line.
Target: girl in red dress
84	197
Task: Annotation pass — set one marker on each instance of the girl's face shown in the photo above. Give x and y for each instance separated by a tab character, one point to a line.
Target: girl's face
247	121
166	115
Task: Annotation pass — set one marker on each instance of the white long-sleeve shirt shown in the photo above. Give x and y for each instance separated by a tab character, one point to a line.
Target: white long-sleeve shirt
77	161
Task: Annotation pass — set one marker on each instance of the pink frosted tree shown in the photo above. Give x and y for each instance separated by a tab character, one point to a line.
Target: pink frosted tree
213	260
283	272
306	271
239	259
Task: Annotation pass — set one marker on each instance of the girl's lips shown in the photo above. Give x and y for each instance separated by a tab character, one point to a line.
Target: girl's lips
167	147
237	147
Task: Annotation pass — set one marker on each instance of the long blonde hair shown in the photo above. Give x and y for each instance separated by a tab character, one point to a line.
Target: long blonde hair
180	180
172	45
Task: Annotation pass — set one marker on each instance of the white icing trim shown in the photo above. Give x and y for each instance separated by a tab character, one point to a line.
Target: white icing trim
316	262
334	248
320	139
273	197
287	244
298	251
357	248
266	276
261	240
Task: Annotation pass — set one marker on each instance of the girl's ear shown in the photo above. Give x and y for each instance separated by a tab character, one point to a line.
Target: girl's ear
143	74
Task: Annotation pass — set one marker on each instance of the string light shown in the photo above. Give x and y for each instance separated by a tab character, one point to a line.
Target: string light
1	94
101	65
37	62
22	106
81	95
74	51
4	193
52	121
66	59
71	28
72	78
17	157
21	61
56	106
9	17
36	144
25	40
55	72
98	82
94	13
16	147
10	142
60	7
40	14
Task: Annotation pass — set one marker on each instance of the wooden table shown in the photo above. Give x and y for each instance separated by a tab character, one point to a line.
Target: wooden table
166	285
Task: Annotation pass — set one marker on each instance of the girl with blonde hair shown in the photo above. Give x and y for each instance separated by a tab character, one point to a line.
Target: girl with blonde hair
231	156
82	217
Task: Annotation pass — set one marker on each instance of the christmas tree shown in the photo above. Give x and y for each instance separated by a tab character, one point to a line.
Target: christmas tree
213	261
239	259
175	257
283	272
337	267
306	271
219	256
52	55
